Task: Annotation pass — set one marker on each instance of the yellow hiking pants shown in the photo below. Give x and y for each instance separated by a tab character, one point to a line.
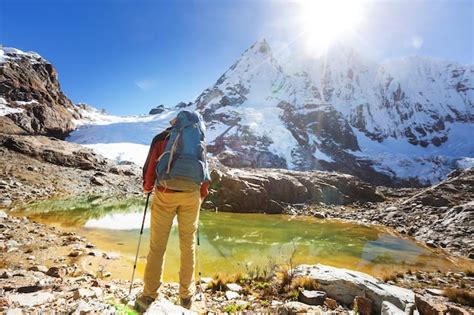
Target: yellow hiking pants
163	210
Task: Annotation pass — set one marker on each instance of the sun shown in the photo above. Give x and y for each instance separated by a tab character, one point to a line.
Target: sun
324	21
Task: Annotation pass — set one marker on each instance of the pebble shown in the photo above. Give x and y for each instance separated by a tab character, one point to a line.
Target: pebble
234	287
83	293
39	268
56	272
231	295
83	307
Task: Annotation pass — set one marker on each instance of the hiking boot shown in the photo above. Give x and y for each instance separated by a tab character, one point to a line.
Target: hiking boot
187	302
143	302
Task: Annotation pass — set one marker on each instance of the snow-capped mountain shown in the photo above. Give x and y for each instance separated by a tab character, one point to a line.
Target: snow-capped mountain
396	121
401	119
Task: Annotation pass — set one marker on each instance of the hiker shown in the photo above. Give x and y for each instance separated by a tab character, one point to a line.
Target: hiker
176	171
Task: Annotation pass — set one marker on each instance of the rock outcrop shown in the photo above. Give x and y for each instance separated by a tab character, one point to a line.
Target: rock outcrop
33	167
459	186
345	285
29	84
157	110
270	190
54	151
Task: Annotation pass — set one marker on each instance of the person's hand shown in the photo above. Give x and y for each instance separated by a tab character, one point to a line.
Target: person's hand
204	192
148	190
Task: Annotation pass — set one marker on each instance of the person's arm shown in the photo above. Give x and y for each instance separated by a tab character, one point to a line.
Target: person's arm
204	189
157	147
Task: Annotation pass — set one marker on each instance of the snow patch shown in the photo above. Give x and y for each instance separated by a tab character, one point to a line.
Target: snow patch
121	152
7	110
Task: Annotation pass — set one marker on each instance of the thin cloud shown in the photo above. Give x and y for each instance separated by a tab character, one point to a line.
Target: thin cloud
145	84
417	41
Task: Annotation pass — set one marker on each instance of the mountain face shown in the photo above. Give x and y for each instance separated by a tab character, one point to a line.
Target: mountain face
31	97
401	120
407	121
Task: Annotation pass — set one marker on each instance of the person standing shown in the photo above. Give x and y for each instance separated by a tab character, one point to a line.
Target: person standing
176	171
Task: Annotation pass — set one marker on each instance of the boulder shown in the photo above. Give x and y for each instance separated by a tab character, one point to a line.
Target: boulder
344	285
427	307
54	151
270	190
312	297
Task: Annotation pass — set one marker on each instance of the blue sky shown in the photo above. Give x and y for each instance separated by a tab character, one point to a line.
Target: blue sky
129	55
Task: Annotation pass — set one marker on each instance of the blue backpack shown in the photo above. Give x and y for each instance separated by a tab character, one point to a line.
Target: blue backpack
183	164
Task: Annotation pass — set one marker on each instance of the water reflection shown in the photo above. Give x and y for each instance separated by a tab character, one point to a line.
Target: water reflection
235	241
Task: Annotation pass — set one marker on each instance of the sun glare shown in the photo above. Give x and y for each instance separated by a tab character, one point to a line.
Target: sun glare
323	21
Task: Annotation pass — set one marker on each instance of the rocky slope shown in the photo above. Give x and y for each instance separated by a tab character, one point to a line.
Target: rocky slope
442	216
45	167
382	122
31	97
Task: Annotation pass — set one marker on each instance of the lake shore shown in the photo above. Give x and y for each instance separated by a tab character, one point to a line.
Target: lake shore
49	268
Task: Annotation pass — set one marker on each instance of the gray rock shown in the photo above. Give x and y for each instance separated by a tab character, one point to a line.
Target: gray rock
97	181
231	295
312	297
234	287
157	110
163	306
344	285
32	299
83	293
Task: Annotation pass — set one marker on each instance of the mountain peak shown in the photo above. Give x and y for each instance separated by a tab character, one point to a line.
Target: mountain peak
10	53
261	46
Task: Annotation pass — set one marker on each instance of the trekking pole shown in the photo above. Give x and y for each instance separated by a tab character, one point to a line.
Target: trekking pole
199	267
139	241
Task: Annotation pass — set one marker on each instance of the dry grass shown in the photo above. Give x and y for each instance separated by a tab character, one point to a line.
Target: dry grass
219	282
305	283
287	283
460	296
390	276
470	273
283	277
